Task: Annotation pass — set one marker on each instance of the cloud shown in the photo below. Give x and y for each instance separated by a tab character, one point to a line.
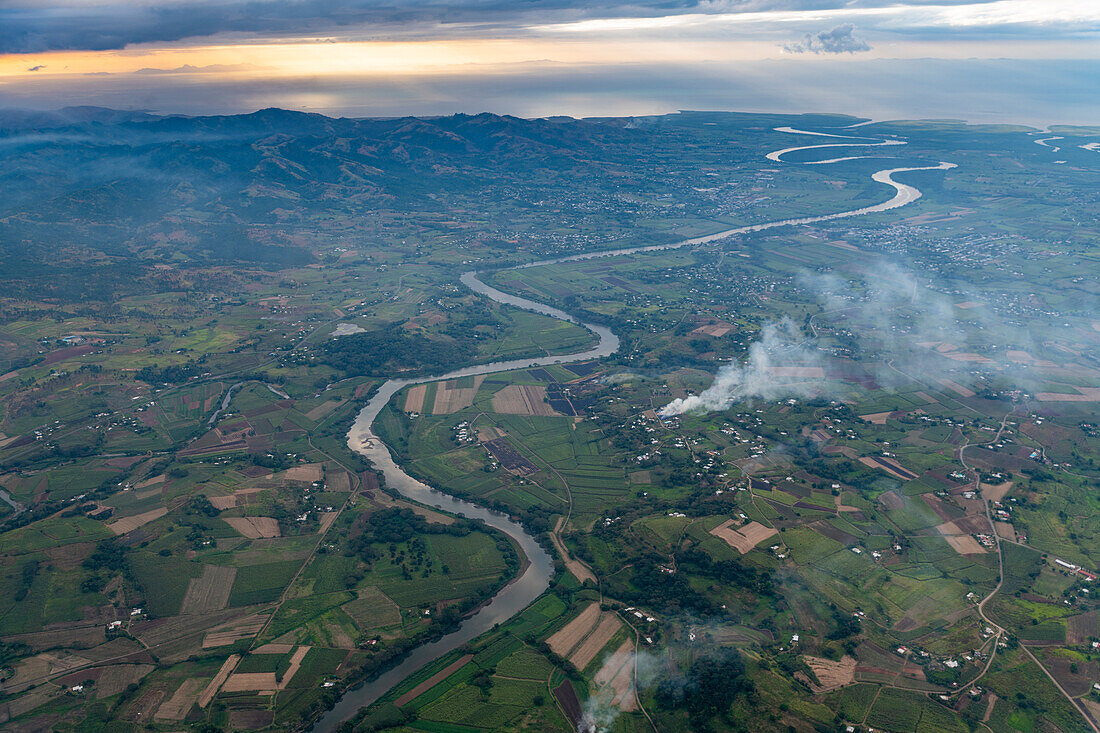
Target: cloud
37	68
841	39
28	26
25	27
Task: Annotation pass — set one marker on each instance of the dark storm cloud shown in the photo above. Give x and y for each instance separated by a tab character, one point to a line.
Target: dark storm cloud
841	39
28	26
113	25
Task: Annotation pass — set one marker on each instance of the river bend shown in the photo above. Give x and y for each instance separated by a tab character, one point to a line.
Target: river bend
535	579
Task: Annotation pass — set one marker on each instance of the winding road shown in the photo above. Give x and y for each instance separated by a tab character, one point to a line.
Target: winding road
534	580
1000	631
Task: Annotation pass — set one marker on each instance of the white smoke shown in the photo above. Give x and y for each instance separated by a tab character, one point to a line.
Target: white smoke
896	321
894	306
763	375
599	710
597	718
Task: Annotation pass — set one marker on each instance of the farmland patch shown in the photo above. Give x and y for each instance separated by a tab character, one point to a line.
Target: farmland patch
209	591
744	538
523	399
832	674
255	527
129	524
595	641
182	700
455	394
569	636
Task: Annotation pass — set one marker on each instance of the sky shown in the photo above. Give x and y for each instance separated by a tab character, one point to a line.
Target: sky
1027	61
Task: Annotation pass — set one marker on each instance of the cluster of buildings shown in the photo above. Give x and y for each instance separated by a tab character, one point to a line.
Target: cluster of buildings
463	432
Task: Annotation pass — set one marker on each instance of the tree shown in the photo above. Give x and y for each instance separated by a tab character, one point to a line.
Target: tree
708	689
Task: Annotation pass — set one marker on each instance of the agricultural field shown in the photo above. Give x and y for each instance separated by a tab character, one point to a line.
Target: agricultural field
231	548
878	507
883	497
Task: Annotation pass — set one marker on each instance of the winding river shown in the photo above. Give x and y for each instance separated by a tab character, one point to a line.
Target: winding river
535	579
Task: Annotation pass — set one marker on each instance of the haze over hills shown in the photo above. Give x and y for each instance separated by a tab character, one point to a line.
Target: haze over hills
250	187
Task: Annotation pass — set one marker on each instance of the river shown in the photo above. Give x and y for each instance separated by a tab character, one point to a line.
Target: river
535	579
229	397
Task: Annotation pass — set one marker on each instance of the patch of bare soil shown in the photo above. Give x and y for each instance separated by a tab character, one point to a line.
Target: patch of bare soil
996	492
233	632
414	398
615	680
223	674
449	397
255	527
570	635
185	696
129	524
831	674
888	465
960	542
579	571
595	641
1082	626
529	399
307	474
744	538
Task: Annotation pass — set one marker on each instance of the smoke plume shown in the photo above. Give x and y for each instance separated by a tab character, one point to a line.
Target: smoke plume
600	711
768	373
901	329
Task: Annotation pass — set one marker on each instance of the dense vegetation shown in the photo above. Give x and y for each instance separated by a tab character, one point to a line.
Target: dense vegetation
713	683
393	350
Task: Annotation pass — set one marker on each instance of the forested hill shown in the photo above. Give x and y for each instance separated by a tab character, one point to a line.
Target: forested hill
90	195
